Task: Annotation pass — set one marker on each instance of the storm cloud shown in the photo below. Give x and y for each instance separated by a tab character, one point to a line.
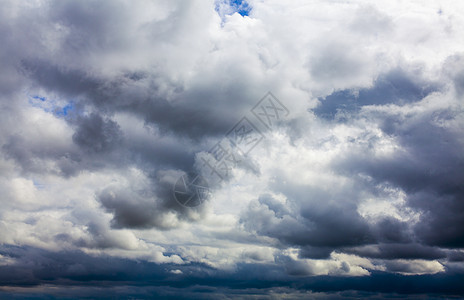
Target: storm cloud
351	186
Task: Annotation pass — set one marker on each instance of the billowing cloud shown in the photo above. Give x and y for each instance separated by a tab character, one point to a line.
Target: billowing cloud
355	190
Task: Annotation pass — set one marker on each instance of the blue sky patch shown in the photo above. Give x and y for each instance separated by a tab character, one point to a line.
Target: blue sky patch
64	111
241	7
39	98
50	105
229	7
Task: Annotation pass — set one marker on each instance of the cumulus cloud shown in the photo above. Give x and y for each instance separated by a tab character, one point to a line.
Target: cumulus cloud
104	105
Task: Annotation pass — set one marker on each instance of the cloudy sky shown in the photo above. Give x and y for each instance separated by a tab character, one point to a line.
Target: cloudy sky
355	189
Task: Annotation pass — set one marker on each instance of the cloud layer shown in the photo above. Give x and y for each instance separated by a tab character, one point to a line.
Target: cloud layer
357	191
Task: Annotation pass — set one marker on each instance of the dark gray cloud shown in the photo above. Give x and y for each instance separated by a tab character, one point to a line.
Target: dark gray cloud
319	220
430	170
78	272
396	250
392	230
148	206
94	134
196	114
398	86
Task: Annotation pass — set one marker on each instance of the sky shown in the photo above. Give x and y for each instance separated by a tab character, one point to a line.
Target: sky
220	149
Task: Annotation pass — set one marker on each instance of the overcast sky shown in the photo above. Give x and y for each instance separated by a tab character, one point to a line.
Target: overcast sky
355	189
